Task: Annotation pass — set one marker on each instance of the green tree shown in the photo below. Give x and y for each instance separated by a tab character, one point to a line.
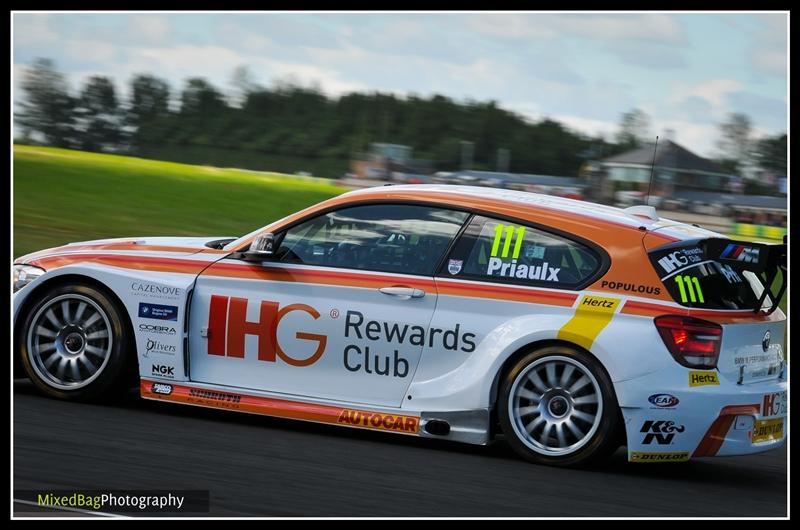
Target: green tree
288	127
147	118
735	140
200	98
99	116
770	154
47	109
149	100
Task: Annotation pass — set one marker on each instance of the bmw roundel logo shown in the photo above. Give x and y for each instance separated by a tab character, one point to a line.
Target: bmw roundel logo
765	341
663	401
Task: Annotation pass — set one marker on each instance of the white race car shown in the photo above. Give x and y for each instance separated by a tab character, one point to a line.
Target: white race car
447	312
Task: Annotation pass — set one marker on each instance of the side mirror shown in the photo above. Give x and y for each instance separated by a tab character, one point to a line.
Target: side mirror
262	248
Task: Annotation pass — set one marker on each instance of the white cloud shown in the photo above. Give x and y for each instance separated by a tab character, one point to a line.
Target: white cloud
188	60
150	29
230	33
217	64
328	80
479	77
711	101
770	61
33	29
400	31
512	26
648	27
700	138
602	128
697	137
608	27
527	109
90	50
483	77
714	91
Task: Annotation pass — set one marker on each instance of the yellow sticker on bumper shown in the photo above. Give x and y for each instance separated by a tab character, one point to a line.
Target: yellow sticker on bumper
703	378
768	430
659	457
591	317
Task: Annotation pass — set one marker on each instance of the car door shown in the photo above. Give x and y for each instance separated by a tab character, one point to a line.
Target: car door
498	271
342	311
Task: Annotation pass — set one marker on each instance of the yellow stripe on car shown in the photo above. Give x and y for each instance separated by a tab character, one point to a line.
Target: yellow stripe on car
591	316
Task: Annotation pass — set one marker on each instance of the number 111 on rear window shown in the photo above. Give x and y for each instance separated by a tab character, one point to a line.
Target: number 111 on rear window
689	288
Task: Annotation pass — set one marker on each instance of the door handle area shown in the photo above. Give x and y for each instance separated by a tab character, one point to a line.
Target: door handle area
403	293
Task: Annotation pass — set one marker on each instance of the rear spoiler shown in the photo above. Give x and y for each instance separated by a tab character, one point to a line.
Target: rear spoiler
763	259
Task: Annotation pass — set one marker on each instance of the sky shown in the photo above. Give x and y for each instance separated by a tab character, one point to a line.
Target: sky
687	71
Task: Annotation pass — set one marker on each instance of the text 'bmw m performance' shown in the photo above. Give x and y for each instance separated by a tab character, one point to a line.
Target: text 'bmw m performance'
448	312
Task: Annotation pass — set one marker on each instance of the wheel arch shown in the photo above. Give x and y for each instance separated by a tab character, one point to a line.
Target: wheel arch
70	279
511	359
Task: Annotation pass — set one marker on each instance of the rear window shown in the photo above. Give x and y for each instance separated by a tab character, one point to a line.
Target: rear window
694	280
508	252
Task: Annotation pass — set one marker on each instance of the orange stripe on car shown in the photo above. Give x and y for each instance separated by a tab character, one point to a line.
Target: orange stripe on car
743	316
372	280
507	292
145	263
280	408
644	309
326	277
132	246
329	277
715	436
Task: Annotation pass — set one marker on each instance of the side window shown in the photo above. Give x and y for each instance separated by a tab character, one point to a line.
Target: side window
503	251
400	238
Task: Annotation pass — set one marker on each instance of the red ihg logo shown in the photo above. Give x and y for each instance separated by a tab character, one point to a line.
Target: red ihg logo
228	325
772	404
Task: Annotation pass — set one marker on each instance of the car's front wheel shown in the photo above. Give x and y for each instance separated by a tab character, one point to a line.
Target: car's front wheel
72	343
557	406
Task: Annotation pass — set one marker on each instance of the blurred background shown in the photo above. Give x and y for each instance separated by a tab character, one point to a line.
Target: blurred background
216	124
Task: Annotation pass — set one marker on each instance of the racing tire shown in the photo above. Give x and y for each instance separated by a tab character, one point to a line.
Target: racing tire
557	406
73	345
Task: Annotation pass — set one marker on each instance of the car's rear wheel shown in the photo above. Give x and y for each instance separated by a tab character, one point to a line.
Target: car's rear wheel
72	343
557	406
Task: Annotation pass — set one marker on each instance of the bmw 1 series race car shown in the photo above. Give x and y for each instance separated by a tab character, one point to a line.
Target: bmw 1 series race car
448	312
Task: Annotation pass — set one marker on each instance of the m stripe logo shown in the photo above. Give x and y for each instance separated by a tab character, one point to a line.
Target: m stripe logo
740	253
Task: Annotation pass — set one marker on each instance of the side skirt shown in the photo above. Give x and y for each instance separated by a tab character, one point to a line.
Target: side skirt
469	426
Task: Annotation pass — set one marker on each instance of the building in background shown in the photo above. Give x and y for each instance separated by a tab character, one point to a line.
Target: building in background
676	171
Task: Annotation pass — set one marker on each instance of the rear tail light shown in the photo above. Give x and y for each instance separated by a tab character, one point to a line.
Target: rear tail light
694	343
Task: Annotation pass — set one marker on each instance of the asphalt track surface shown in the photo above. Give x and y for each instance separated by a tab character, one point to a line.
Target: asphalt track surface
259	466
